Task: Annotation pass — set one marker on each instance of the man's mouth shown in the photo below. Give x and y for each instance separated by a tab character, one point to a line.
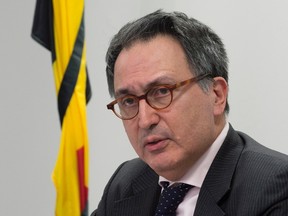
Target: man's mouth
154	145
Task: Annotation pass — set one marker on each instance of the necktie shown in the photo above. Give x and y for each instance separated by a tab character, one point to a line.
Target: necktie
170	198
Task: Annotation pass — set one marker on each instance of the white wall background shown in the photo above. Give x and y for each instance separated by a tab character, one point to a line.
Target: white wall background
255	33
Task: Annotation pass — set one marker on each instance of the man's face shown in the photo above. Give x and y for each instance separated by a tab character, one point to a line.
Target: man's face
171	140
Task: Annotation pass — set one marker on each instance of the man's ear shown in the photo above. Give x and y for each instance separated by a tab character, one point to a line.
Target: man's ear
220	89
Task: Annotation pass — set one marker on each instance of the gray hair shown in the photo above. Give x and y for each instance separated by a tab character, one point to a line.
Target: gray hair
204	49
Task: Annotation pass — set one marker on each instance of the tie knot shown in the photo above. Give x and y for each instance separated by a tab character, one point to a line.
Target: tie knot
164	184
171	197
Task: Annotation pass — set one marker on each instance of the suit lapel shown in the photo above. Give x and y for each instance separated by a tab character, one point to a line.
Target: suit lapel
219	177
145	193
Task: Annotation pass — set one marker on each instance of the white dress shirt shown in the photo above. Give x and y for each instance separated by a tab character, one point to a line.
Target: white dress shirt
196	175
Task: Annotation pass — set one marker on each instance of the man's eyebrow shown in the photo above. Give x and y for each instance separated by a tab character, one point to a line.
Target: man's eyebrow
158	81
121	92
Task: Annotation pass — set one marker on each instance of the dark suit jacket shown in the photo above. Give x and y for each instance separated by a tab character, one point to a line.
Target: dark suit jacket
245	179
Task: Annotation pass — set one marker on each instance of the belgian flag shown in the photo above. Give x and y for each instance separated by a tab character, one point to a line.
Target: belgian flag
59	26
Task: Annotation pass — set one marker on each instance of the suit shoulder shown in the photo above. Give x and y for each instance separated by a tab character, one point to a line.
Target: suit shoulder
262	164
129	173
260	152
131	169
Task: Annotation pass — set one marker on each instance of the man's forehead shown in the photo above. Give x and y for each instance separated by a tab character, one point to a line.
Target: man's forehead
160	60
141	86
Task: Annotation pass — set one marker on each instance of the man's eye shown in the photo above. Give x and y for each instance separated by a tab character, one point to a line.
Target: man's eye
128	102
161	91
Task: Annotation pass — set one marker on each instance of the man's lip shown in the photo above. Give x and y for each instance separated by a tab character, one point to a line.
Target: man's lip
155	143
152	139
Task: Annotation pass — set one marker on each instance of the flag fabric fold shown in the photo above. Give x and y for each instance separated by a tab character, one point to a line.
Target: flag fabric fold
58	25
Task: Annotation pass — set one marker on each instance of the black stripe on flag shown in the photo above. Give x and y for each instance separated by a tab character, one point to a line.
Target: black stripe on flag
71	74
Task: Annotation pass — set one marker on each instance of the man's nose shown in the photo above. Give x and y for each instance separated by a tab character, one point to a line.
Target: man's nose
147	116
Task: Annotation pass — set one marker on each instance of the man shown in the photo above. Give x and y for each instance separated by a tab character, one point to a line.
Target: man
169	76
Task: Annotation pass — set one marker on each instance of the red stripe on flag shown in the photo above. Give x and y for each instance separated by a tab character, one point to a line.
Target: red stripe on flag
83	190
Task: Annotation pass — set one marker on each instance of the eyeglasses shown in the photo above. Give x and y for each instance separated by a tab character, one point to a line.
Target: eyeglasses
158	97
